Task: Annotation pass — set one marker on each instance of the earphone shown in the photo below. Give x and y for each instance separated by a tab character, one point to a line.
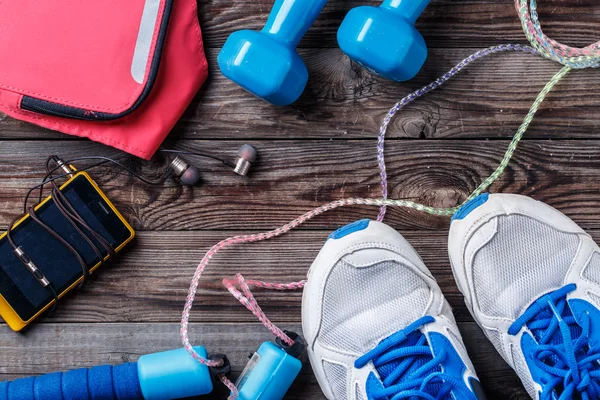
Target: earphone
188	175
179	168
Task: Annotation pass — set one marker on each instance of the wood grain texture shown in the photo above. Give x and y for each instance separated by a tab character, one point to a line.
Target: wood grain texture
344	101
292	177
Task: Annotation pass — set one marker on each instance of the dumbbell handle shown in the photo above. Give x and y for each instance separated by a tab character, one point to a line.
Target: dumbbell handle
409	9
290	19
103	383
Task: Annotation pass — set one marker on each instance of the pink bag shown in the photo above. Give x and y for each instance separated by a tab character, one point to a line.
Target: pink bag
121	73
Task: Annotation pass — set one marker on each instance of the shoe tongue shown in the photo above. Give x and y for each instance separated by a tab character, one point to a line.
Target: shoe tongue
412	340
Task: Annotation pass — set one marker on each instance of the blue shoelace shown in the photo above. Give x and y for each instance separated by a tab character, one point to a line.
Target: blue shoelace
408	368
571	365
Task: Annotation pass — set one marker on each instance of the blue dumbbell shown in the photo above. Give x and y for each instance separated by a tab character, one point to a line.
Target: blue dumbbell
266	63
384	39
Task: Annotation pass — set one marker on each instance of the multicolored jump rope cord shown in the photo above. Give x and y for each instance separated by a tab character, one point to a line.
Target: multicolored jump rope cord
569	57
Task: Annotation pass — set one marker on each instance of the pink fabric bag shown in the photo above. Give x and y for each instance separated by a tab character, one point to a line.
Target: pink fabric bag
121	74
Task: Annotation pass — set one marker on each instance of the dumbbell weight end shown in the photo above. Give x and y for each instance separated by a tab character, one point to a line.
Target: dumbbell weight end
384	39
265	63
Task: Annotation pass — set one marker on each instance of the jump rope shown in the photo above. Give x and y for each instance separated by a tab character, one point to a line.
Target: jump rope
541	45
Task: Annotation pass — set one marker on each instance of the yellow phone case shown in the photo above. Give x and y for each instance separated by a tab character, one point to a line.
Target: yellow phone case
6	311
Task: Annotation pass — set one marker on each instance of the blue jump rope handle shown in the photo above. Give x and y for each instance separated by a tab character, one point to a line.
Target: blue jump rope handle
99	383
160	376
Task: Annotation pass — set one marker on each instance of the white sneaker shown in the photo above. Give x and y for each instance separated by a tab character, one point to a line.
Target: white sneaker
377	325
531	278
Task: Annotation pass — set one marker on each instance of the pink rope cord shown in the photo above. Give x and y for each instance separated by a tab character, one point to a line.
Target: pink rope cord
245	295
231	386
277	286
228	243
248	300
531	20
573	57
240	288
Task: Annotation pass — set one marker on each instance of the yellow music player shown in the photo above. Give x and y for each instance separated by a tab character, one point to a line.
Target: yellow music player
22	297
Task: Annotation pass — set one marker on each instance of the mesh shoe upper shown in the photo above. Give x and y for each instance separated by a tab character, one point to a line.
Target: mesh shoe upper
525	269
360	302
376	322
528	267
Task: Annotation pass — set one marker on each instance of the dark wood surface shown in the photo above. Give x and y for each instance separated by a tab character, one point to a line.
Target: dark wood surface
318	150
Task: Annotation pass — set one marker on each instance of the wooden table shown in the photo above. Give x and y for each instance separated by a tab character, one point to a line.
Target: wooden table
321	149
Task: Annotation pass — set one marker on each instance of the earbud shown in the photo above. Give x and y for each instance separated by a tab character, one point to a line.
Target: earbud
189	175
185	172
246	156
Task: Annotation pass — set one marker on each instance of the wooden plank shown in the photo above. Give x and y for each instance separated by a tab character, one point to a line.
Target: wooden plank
149	281
292	177
444	23
56	347
343	101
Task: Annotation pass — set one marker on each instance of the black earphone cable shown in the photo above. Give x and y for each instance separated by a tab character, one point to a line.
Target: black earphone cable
198	154
105	160
69	212
78	223
52	232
